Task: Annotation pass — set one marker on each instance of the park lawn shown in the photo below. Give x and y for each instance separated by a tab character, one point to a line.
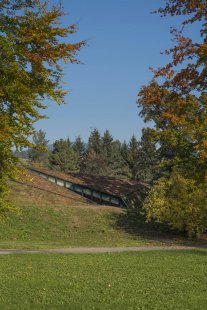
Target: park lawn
37	227
168	280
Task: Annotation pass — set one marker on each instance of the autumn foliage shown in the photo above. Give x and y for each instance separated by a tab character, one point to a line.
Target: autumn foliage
33	42
176	102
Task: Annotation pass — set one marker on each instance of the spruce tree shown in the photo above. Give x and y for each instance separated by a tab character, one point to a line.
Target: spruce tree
133	155
63	158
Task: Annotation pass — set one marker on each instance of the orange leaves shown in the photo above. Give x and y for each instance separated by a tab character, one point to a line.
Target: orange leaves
151	94
174	119
189	58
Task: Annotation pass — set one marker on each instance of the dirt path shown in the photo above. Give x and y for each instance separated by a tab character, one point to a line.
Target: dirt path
97	250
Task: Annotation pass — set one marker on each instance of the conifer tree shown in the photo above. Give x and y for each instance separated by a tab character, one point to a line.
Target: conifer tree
133	155
107	140
63	157
80	149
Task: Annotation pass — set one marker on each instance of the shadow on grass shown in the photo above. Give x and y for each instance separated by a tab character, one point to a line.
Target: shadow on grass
133	221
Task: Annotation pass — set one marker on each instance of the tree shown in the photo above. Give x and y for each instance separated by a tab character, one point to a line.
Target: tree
107	140
94	161
148	157
133	156
32	46
192	76
79	148
63	157
176	101
180	201
118	165
40	153
94	141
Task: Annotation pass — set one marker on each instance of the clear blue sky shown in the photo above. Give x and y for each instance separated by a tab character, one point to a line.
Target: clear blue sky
124	40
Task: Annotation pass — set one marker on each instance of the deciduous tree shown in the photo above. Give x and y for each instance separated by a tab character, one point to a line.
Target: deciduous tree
39	154
33	42
176	102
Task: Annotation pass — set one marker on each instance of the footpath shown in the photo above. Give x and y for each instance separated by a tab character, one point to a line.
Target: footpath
98	250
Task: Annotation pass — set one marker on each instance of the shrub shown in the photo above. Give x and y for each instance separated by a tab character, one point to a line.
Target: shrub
179	200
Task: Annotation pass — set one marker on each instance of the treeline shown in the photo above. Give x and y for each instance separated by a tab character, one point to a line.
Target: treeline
101	155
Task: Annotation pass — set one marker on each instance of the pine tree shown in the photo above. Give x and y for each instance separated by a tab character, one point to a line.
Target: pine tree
95	142
80	149
133	155
94	160
107	140
63	158
148	157
118	165
79	146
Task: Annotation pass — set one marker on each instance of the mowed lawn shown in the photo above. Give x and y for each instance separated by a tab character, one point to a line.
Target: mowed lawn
143	280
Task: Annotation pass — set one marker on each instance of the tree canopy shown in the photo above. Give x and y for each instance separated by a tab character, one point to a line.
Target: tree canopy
176	102
33	44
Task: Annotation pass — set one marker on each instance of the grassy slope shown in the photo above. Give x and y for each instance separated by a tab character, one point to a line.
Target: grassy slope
156	280
51	217
38	191
62	226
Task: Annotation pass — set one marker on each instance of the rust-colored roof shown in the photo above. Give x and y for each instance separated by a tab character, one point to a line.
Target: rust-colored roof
110	185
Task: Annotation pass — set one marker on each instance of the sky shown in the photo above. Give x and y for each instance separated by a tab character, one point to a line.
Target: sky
123	40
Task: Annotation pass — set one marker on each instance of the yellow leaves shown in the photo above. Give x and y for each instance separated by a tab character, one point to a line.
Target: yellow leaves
202	52
171	74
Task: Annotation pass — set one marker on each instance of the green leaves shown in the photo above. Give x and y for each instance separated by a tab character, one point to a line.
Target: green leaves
31	39
179	200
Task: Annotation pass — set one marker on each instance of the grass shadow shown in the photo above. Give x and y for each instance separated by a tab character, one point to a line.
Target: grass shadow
133	221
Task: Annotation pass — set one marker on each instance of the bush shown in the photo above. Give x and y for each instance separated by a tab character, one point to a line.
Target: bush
179	200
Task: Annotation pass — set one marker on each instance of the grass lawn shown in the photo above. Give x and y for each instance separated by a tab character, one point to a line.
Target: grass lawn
146	280
50	227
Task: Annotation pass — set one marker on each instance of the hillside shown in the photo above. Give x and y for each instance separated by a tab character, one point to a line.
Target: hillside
51	216
38	191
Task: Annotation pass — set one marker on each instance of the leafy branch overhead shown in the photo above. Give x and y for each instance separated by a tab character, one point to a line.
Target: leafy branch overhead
33	44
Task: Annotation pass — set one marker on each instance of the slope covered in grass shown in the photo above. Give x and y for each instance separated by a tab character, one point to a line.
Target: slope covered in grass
63	226
156	280
52	217
35	190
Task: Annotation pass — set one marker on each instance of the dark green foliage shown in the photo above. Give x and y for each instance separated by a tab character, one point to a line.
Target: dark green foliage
103	155
107	140
94	161
79	147
63	157
119	167
148	165
94	142
133	157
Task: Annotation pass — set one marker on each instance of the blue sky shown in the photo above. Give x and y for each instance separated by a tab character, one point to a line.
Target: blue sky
124	40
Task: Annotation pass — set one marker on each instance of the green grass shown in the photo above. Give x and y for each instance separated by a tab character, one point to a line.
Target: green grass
168	280
50	227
